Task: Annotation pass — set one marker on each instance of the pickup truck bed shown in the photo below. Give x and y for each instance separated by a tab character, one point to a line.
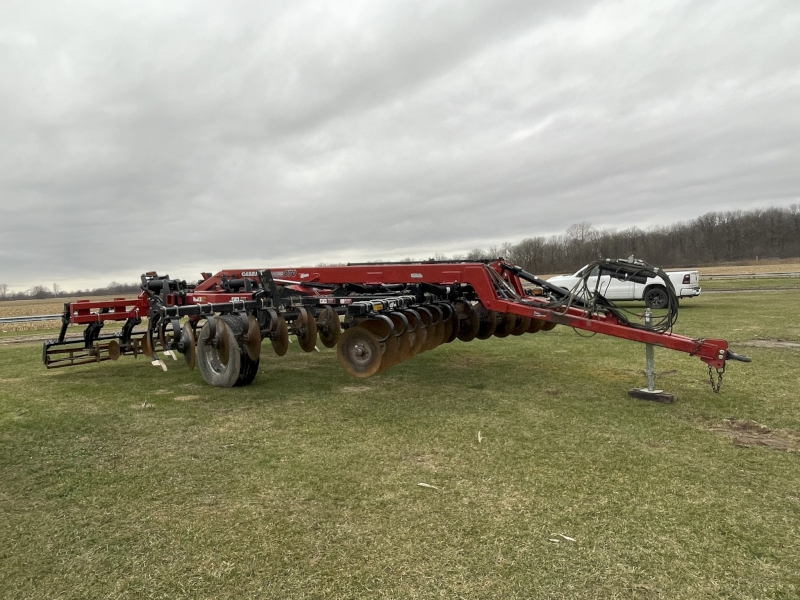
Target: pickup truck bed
686	284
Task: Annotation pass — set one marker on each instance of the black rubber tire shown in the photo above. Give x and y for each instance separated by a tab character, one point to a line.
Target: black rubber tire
656	297
248	368
248	371
214	371
239	370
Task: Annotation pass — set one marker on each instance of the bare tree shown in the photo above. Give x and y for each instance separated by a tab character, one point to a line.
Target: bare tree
476	254
40	292
581	232
3	290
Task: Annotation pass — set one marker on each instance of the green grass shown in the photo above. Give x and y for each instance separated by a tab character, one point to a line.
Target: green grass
771	283
120	481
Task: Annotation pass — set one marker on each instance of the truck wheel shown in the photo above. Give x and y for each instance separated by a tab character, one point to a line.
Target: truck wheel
656	297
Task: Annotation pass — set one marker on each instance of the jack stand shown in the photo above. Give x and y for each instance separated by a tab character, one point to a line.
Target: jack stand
650	393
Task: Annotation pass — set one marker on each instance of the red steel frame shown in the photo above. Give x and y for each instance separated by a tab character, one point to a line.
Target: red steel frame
711	351
84	312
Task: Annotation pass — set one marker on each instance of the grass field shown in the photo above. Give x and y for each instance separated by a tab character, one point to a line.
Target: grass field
23	308
121	481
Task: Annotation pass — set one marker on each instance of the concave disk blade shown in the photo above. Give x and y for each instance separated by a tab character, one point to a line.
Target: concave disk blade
306	330
536	325
113	350
441	327
416	331
223	347
189	346
450	322
404	337
523	324
329	327
147	347
426	325
383	329
253	344
280	337
505	325
359	352
468	319
488	325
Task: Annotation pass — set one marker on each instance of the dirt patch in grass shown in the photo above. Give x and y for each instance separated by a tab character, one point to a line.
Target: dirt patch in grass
356	389
186	398
470	361
748	434
771	344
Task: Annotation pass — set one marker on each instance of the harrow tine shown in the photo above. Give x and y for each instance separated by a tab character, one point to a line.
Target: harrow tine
69	353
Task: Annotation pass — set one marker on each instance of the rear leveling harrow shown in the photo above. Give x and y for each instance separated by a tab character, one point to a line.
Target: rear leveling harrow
375	314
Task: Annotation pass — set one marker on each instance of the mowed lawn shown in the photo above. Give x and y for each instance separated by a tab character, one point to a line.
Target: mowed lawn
544	479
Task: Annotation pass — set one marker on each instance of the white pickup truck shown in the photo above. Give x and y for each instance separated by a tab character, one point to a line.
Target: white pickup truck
653	292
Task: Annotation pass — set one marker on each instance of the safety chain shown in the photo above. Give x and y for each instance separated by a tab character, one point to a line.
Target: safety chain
718	384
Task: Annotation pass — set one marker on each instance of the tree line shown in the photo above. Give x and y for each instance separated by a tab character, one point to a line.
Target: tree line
42	292
716	237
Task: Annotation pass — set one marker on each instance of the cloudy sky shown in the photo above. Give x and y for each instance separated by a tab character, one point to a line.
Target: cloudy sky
186	136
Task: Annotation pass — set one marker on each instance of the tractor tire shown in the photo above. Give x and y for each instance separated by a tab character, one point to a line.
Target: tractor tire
656	297
239	369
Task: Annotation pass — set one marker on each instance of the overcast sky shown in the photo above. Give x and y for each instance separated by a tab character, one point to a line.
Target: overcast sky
187	136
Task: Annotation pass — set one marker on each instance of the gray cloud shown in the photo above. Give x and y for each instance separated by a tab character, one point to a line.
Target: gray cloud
188	136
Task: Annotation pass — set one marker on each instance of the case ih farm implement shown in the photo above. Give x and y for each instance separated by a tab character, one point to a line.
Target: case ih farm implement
376	315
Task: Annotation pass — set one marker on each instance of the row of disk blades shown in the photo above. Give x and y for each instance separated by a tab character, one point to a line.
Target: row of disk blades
247	335
373	344
227	348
